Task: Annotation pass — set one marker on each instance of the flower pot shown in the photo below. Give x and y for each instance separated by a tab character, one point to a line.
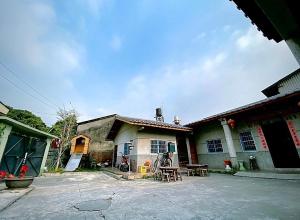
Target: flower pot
18	182
227	162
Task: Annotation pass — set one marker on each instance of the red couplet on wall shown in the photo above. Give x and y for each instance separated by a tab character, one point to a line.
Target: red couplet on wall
262	137
293	132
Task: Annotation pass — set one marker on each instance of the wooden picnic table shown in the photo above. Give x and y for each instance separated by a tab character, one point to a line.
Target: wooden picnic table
173	170
197	167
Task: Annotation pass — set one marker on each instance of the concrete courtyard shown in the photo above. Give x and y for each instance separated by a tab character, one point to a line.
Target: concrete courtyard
99	196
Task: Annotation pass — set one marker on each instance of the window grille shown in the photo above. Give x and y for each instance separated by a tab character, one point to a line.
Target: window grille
158	146
214	146
247	141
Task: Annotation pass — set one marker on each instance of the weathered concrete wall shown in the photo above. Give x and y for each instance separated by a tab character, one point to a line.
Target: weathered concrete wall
290	85
216	160
126	134
215	131
142	145
295	118
99	149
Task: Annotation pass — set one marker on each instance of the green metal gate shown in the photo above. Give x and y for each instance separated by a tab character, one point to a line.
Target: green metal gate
16	147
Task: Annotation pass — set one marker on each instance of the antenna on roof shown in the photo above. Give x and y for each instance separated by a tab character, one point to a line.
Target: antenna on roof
158	115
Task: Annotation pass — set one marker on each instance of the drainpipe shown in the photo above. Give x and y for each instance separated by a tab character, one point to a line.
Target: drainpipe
229	141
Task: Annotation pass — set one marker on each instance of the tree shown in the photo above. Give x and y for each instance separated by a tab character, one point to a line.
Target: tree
65	128
27	118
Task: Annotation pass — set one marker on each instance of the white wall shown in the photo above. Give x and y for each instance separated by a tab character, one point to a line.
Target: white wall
125	135
3	109
142	144
144	141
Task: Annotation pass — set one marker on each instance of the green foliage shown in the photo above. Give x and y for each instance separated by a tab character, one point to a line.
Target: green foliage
53	170
57	128
2	128
27	118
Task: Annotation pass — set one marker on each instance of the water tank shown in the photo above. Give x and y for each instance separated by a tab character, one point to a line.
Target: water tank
158	112
176	120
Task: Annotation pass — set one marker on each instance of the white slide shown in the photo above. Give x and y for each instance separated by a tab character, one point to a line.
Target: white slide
73	162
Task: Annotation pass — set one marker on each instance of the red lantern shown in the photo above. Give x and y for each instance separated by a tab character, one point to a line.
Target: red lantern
55	143
231	123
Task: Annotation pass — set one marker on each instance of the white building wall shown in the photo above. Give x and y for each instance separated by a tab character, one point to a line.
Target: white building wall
216	160
144	147
290	85
126	134
3	109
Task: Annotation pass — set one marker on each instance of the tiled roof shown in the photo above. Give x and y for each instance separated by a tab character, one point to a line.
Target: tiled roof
245	108
257	17
270	89
151	123
96	119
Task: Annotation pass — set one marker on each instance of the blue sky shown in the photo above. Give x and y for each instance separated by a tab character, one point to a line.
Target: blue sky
192	58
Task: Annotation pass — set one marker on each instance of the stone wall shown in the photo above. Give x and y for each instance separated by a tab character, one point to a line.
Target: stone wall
100	150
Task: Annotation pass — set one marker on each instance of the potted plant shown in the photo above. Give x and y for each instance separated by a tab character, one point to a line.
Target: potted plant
21	181
2	175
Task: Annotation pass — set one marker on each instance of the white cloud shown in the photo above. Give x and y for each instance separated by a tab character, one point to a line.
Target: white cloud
226	28
31	39
94	7
252	37
40	52
116	43
200	36
213	62
230	78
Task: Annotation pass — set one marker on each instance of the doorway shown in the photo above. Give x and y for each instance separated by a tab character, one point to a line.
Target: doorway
79	146
115	153
281	146
183	157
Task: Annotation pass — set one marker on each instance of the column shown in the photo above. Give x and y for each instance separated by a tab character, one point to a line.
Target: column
45	155
4	132
229	141
187	141
294	45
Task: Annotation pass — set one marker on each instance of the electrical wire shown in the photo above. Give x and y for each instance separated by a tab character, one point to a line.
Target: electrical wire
29	94
27	84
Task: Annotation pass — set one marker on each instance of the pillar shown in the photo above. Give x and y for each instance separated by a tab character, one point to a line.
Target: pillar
45	155
4	133
229	141
294	45
187	141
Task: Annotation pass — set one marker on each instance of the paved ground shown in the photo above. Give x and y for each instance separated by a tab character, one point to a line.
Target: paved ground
98	196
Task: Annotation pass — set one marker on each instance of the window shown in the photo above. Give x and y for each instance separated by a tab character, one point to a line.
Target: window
214	146
158	146
126	149
247	141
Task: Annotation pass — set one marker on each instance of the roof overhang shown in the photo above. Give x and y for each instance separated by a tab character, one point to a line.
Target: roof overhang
278	20
145	124
96	119
25	128
274	106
